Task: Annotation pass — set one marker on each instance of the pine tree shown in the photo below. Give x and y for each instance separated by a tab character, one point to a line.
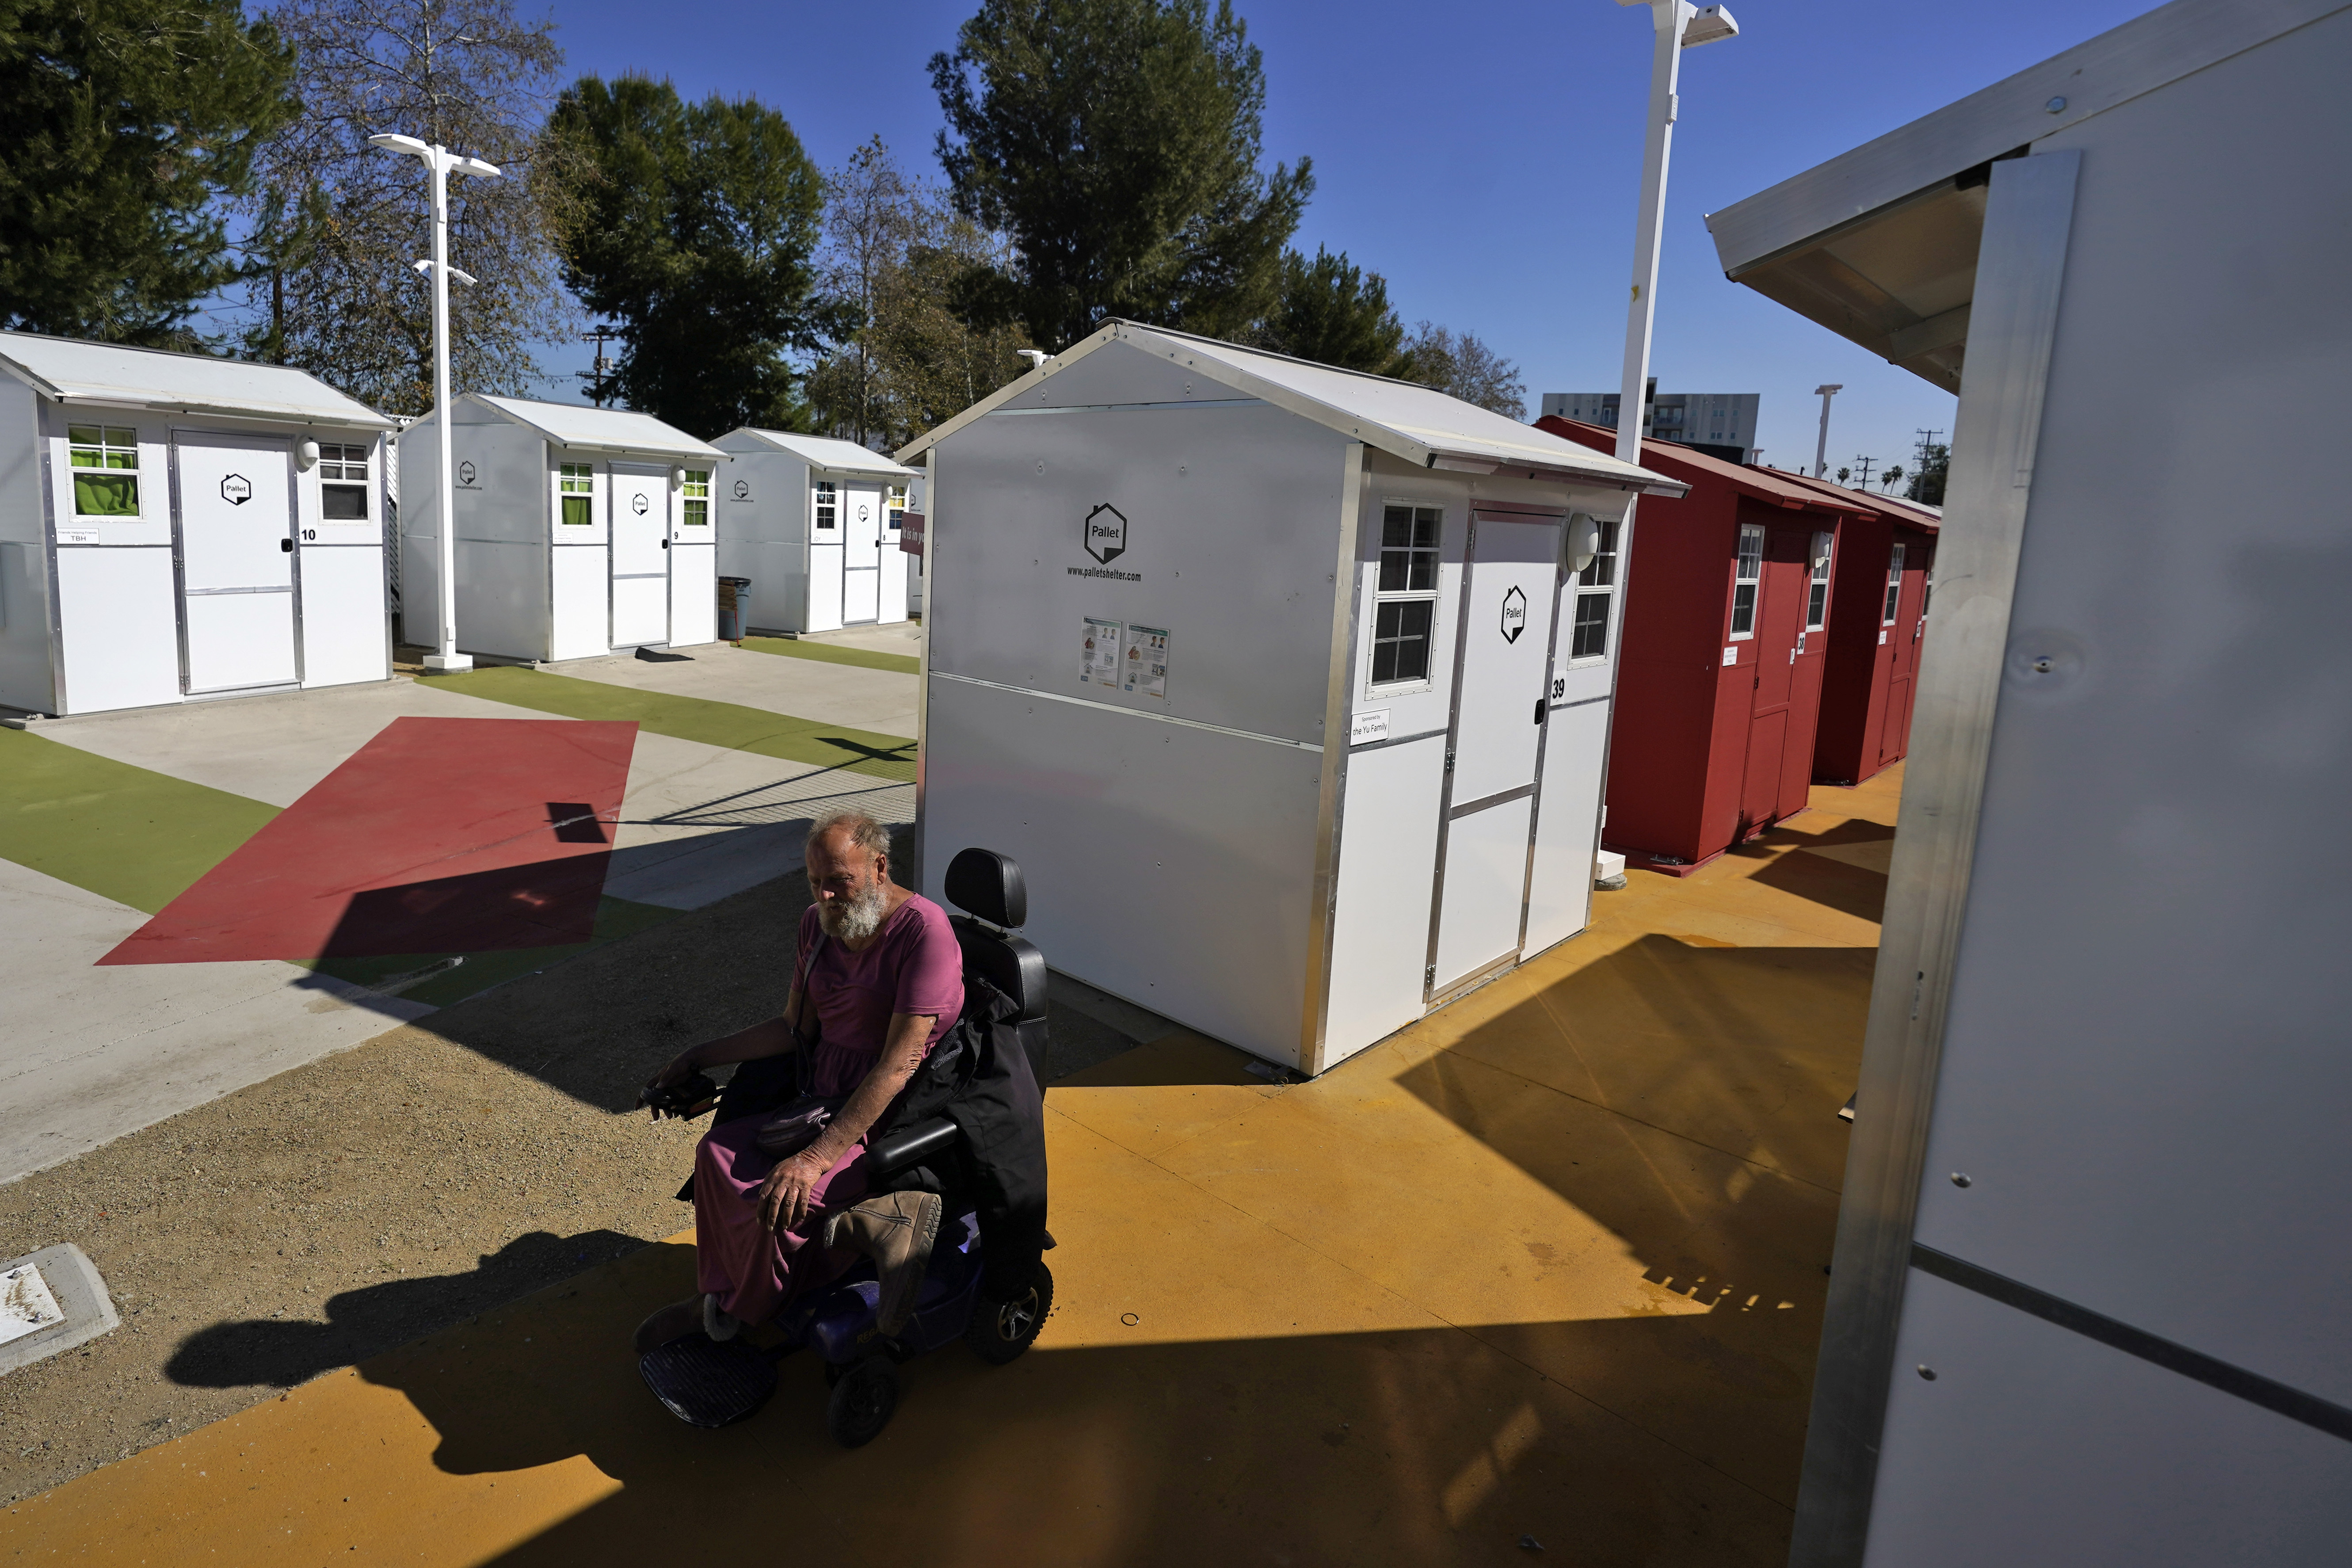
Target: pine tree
1116	144
1334	312
696	229
120	123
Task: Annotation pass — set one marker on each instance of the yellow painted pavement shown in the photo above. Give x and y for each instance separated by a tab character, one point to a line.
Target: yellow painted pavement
1549	1263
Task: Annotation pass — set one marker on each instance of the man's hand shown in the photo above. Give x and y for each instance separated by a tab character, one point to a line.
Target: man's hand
681	1067
784	1196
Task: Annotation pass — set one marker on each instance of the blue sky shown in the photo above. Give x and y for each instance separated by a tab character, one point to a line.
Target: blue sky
1483	154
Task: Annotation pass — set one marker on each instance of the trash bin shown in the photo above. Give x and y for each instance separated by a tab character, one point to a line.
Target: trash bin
734	598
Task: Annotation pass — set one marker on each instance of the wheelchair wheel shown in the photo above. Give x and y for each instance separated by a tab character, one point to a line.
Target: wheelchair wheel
862	1402
1001	1330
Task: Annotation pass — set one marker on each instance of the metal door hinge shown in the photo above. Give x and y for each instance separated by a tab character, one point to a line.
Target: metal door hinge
1428	977
1449	762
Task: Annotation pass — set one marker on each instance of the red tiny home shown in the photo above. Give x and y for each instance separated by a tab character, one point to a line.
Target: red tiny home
1878	620
1720	671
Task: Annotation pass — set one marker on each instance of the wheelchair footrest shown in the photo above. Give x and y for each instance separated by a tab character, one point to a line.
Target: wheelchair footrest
704	1383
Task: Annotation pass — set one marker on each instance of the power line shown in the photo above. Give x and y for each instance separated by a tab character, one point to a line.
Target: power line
599	380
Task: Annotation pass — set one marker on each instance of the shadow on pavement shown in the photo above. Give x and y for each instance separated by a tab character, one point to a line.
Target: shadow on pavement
1406	1447
279	1354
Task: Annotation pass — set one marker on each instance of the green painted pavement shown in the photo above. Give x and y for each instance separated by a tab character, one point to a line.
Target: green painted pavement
729	724
140	838
828	653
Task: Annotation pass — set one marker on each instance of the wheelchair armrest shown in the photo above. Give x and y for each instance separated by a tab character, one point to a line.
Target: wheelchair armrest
909	1146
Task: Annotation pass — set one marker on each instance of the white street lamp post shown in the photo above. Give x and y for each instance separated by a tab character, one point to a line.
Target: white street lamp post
1680	26
442	163
1821	447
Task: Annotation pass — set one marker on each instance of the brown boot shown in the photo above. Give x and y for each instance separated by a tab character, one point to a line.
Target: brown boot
896	1230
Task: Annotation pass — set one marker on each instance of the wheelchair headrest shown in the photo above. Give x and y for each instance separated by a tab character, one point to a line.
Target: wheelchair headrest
983	883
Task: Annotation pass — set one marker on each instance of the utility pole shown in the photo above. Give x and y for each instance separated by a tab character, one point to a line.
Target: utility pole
1821	449
599	386
1919	449
1865	463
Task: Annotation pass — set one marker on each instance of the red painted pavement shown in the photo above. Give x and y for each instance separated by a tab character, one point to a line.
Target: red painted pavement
438	836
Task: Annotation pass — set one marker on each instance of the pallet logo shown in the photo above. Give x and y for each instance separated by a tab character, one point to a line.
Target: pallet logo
1105	534
1515	615
237	489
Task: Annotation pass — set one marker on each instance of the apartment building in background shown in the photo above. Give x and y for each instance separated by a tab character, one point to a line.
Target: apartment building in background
1720	423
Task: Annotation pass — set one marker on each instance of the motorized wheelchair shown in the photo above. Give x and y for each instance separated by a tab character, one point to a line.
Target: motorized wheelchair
996	1305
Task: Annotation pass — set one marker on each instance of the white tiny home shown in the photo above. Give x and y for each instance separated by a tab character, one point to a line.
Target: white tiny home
580	530
2088	1298
1289	687
814	523
176	527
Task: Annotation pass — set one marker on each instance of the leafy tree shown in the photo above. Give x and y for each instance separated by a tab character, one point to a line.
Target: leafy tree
696	227
119	124
896	250
1116	143
1888	480
1334	312
333	225
1928	479
1462	365
1844	473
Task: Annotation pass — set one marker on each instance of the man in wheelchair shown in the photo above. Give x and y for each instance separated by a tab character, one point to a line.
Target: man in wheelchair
784	1199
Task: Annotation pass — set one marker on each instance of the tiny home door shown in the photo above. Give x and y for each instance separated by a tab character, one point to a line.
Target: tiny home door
861	554
1778	568
1502	668
236	560
640	555
1904	625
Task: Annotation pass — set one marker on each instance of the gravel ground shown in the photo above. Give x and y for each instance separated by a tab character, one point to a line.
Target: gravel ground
359	1202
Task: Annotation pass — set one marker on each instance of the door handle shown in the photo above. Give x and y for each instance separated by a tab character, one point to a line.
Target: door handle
1540	709
286	547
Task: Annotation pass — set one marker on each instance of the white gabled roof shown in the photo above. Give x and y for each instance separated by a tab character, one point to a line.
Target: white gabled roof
73	371
603	429
1426	428
823	452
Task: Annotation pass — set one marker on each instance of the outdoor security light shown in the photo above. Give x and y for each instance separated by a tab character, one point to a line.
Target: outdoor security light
1709	27
460	273
1583	541
306	454
442	163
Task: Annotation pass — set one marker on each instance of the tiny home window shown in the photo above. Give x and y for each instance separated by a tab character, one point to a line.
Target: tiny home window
894	507
1405	597
1817	592
1747	579
575	484
105	470
342	484
1894	584
827	510
697	507
1595	586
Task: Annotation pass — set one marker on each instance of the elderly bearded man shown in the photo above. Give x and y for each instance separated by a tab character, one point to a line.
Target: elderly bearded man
878	979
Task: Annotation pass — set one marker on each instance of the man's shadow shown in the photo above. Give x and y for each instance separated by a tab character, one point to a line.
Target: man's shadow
276	1353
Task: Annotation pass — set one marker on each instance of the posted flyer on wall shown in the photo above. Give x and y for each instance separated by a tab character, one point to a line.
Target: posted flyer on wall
1147	661
1099	665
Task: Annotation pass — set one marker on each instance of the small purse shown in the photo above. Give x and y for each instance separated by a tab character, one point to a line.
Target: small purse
800	1120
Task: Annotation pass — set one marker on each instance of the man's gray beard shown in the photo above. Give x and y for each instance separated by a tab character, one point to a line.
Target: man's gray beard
857	917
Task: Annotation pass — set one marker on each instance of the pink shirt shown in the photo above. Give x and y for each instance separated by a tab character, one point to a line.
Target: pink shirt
913	965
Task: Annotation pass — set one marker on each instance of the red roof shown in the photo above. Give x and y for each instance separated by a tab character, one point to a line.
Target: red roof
1695	467
1887	507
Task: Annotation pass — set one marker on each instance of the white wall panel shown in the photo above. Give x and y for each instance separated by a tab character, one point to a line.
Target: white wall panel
1388	868
1166	864
581	577
693	595
1568	816
2036	1445
120	608
342	614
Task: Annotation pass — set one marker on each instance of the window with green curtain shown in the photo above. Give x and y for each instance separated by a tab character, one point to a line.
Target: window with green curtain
697	498
105	469
575	482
